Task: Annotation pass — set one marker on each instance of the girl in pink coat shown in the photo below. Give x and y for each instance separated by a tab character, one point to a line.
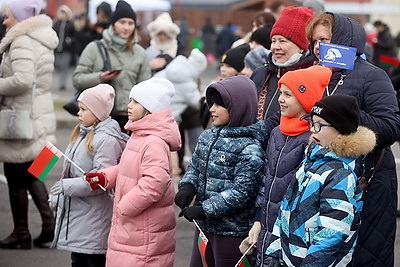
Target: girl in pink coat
143	223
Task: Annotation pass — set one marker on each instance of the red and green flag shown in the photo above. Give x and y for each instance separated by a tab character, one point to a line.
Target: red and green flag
244	263
388	61
45	161
202	242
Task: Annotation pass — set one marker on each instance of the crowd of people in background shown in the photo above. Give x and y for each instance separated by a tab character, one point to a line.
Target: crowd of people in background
291	161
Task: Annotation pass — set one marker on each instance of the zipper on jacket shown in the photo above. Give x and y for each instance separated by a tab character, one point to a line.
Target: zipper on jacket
206	168
308	238
339	83
269	104
269	199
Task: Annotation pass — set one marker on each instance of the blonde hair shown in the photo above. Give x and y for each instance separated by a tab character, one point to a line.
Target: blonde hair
324	19
89	137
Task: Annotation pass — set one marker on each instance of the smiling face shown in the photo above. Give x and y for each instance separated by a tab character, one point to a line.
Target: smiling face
227	71
86	117
219	115
136	111
321	34
290	106
326	135
283	49
124	27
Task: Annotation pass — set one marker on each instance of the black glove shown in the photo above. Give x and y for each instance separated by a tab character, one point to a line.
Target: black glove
185	196
193	212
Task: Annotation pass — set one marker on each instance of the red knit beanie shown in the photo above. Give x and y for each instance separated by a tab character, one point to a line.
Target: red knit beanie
292	25
308	85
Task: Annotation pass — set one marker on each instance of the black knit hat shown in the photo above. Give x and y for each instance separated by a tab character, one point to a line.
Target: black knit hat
216	98
123	10
341	111
261	36
234	57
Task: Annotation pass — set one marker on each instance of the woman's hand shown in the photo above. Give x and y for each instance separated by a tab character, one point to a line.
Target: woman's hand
251	240
109	76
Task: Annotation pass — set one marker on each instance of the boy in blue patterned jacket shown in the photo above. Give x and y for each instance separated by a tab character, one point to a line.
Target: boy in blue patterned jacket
320	213
225	172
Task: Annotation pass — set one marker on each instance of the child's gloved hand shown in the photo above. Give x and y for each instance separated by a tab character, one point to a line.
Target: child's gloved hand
193	213
95	180
185	195
57	188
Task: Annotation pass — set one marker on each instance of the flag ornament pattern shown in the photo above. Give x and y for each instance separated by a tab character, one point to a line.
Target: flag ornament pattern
244	263
202	242
45	161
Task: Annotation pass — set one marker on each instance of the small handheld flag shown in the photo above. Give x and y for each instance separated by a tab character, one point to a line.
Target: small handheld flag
202	242
243	261
338	56
45	161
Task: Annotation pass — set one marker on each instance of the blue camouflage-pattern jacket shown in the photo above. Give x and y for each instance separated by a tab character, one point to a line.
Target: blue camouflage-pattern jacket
227	165
320	213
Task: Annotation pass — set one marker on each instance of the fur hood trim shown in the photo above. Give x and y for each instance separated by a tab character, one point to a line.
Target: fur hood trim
29	27
356	144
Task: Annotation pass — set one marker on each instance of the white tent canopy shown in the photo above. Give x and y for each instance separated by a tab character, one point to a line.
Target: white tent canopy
137	5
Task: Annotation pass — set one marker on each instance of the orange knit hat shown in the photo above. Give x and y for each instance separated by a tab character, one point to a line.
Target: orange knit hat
308	85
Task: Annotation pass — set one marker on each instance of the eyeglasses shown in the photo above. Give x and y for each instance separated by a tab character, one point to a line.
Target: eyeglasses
317	125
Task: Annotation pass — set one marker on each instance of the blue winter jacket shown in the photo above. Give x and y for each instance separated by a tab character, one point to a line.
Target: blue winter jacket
320	213
377	101
285	154
227	166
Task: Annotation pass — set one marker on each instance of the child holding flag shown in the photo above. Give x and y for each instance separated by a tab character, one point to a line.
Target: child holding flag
83	216
225	173
143	224
298	91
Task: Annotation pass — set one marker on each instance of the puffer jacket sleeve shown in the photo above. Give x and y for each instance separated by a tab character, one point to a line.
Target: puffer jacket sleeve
379	107
111	174
248	172
153	182
192	173
88	70
338	203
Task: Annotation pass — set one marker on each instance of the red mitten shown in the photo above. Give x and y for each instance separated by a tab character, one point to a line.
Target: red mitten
95	180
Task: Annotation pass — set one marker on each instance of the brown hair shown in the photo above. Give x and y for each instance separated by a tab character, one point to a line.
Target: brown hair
89	137
263	18
324	19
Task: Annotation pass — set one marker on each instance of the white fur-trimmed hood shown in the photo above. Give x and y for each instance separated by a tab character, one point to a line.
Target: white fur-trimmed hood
46	36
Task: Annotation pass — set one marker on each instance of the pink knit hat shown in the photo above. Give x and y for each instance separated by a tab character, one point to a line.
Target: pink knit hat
24	9
292	25
99	100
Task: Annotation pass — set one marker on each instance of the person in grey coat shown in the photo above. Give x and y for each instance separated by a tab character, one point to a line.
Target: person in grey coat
128	64
83	216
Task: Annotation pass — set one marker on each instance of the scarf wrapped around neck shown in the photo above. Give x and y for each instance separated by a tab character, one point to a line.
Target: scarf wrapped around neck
293	126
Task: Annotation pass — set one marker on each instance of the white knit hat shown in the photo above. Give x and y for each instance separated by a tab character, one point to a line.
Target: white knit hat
163	23
198	60
99	100
153	94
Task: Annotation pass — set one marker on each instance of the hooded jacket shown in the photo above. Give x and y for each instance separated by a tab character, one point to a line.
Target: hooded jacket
227	165
83	216
143	223
377	101
27	71
320	214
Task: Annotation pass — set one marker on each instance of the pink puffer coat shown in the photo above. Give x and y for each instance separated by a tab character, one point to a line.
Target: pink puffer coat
143	224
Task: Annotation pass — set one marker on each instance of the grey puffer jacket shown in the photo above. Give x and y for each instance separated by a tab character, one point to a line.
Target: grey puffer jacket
135	68
27	64
228	163
83	216
376	98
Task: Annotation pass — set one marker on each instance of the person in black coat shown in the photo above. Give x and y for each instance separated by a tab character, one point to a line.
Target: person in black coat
376	98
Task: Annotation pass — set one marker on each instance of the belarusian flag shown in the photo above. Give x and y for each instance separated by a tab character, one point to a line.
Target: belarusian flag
202	244
390	62
45	161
